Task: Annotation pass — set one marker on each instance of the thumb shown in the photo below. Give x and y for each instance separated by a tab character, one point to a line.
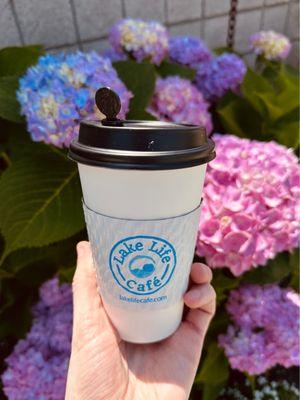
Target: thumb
89	316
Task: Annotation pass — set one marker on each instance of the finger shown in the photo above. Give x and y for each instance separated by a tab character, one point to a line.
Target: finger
193	329
201	296
88	315
197	321
202	302
201	273
84	281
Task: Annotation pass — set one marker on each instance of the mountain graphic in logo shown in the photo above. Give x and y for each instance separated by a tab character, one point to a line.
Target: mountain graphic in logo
142	266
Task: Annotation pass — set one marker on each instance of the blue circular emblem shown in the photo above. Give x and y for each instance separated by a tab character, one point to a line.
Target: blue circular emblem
142	265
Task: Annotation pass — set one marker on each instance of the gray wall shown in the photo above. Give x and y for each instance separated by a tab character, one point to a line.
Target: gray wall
83	24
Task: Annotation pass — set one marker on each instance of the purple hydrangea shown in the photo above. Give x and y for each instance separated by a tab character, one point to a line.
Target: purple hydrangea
59	91
37	367
270	44
178	100
215	77
188	50
114	55
251	204
141	39
265	328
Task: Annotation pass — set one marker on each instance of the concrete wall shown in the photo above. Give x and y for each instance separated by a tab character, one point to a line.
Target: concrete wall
82	24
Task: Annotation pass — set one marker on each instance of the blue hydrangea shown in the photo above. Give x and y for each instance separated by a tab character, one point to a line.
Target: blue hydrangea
188	50
215	77
59	91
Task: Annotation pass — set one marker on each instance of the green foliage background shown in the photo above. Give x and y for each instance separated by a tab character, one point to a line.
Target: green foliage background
41	218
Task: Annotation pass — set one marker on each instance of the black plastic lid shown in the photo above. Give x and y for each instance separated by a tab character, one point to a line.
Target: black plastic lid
138	144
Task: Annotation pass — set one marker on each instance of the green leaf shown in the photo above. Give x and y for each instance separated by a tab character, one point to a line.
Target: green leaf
218	325
286	128
271	74
285	394
271	100
4	158
66	274
40	201
215	367
167	69
211	392
287	78
18	293
292	116
15	60
59	255
16	319
253	86
223	49
275	271
222	284
287	134
5	274
139	78
141	114
19	142
285	96
9	106
255	83
276	106
15	308
292	74
20	258
294	259
239	117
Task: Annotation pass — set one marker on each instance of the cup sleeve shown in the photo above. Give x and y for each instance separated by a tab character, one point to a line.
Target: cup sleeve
142	264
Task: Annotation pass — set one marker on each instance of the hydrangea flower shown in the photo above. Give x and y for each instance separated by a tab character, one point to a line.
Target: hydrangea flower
141	39
37	367
264	390
114	55
59	91
265	328
188	50
270	44
215	77
251	204
178	100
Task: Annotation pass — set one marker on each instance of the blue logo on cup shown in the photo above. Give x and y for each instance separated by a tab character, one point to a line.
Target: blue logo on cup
142	265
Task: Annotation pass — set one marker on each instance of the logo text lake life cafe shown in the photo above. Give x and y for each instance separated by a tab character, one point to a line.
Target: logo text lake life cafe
142	264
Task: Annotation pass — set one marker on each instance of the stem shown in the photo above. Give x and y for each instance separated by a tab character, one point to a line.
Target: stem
259	64
6	158
252	381
2	257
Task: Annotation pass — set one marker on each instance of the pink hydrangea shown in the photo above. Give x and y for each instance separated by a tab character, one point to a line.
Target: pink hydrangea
178	100
251	204
265	330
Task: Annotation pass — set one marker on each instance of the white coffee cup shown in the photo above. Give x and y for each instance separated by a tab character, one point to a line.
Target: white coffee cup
142	184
